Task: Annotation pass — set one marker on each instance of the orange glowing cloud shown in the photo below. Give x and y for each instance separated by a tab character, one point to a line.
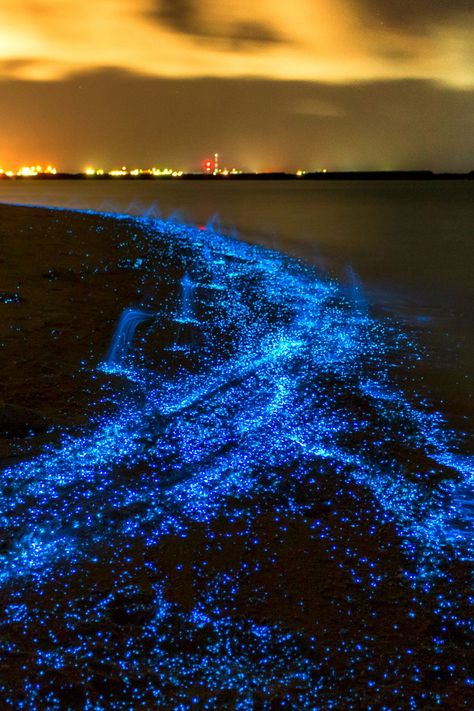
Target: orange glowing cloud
313	40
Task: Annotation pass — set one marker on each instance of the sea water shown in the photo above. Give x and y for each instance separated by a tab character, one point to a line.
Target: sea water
407	245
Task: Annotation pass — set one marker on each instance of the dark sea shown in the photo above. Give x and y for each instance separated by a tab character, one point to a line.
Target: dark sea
411	243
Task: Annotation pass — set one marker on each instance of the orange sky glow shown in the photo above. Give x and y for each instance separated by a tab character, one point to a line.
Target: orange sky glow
270	84
323	40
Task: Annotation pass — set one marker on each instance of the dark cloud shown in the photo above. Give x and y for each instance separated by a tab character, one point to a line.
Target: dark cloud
186	16
180	15
414	15
245	33
12	65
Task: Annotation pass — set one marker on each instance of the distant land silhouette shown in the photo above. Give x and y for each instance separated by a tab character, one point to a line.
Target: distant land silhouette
333	175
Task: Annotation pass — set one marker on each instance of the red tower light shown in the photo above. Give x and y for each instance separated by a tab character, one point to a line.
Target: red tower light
208	166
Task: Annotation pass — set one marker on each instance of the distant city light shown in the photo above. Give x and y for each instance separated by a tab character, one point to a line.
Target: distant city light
28	171
210	166
118	173
32	171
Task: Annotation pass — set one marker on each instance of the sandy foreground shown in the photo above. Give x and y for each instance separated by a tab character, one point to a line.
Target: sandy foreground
294	589
62	311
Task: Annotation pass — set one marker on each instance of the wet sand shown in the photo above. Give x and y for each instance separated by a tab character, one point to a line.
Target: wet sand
292	617
62	309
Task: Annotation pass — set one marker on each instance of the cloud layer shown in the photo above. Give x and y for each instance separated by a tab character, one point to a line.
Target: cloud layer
334	41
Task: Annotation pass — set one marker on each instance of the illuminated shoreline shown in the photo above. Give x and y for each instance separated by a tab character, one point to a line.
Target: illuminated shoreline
268	405
242	175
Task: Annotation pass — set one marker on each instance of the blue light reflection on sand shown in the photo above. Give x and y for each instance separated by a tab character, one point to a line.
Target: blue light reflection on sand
287	373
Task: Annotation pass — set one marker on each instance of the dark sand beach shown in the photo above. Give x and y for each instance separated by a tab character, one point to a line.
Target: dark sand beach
61	278
220	551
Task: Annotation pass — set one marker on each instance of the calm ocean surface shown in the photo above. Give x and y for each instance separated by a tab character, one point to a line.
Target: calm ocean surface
411	243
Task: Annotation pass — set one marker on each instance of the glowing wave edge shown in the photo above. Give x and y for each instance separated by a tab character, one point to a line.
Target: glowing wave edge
241	379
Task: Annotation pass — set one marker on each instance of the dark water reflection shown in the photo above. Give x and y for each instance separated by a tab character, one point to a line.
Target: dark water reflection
411	243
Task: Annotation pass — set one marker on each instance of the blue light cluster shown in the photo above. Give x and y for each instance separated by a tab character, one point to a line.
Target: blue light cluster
10	297
250	398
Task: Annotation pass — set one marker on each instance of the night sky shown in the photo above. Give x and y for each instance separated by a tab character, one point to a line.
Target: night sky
272	84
